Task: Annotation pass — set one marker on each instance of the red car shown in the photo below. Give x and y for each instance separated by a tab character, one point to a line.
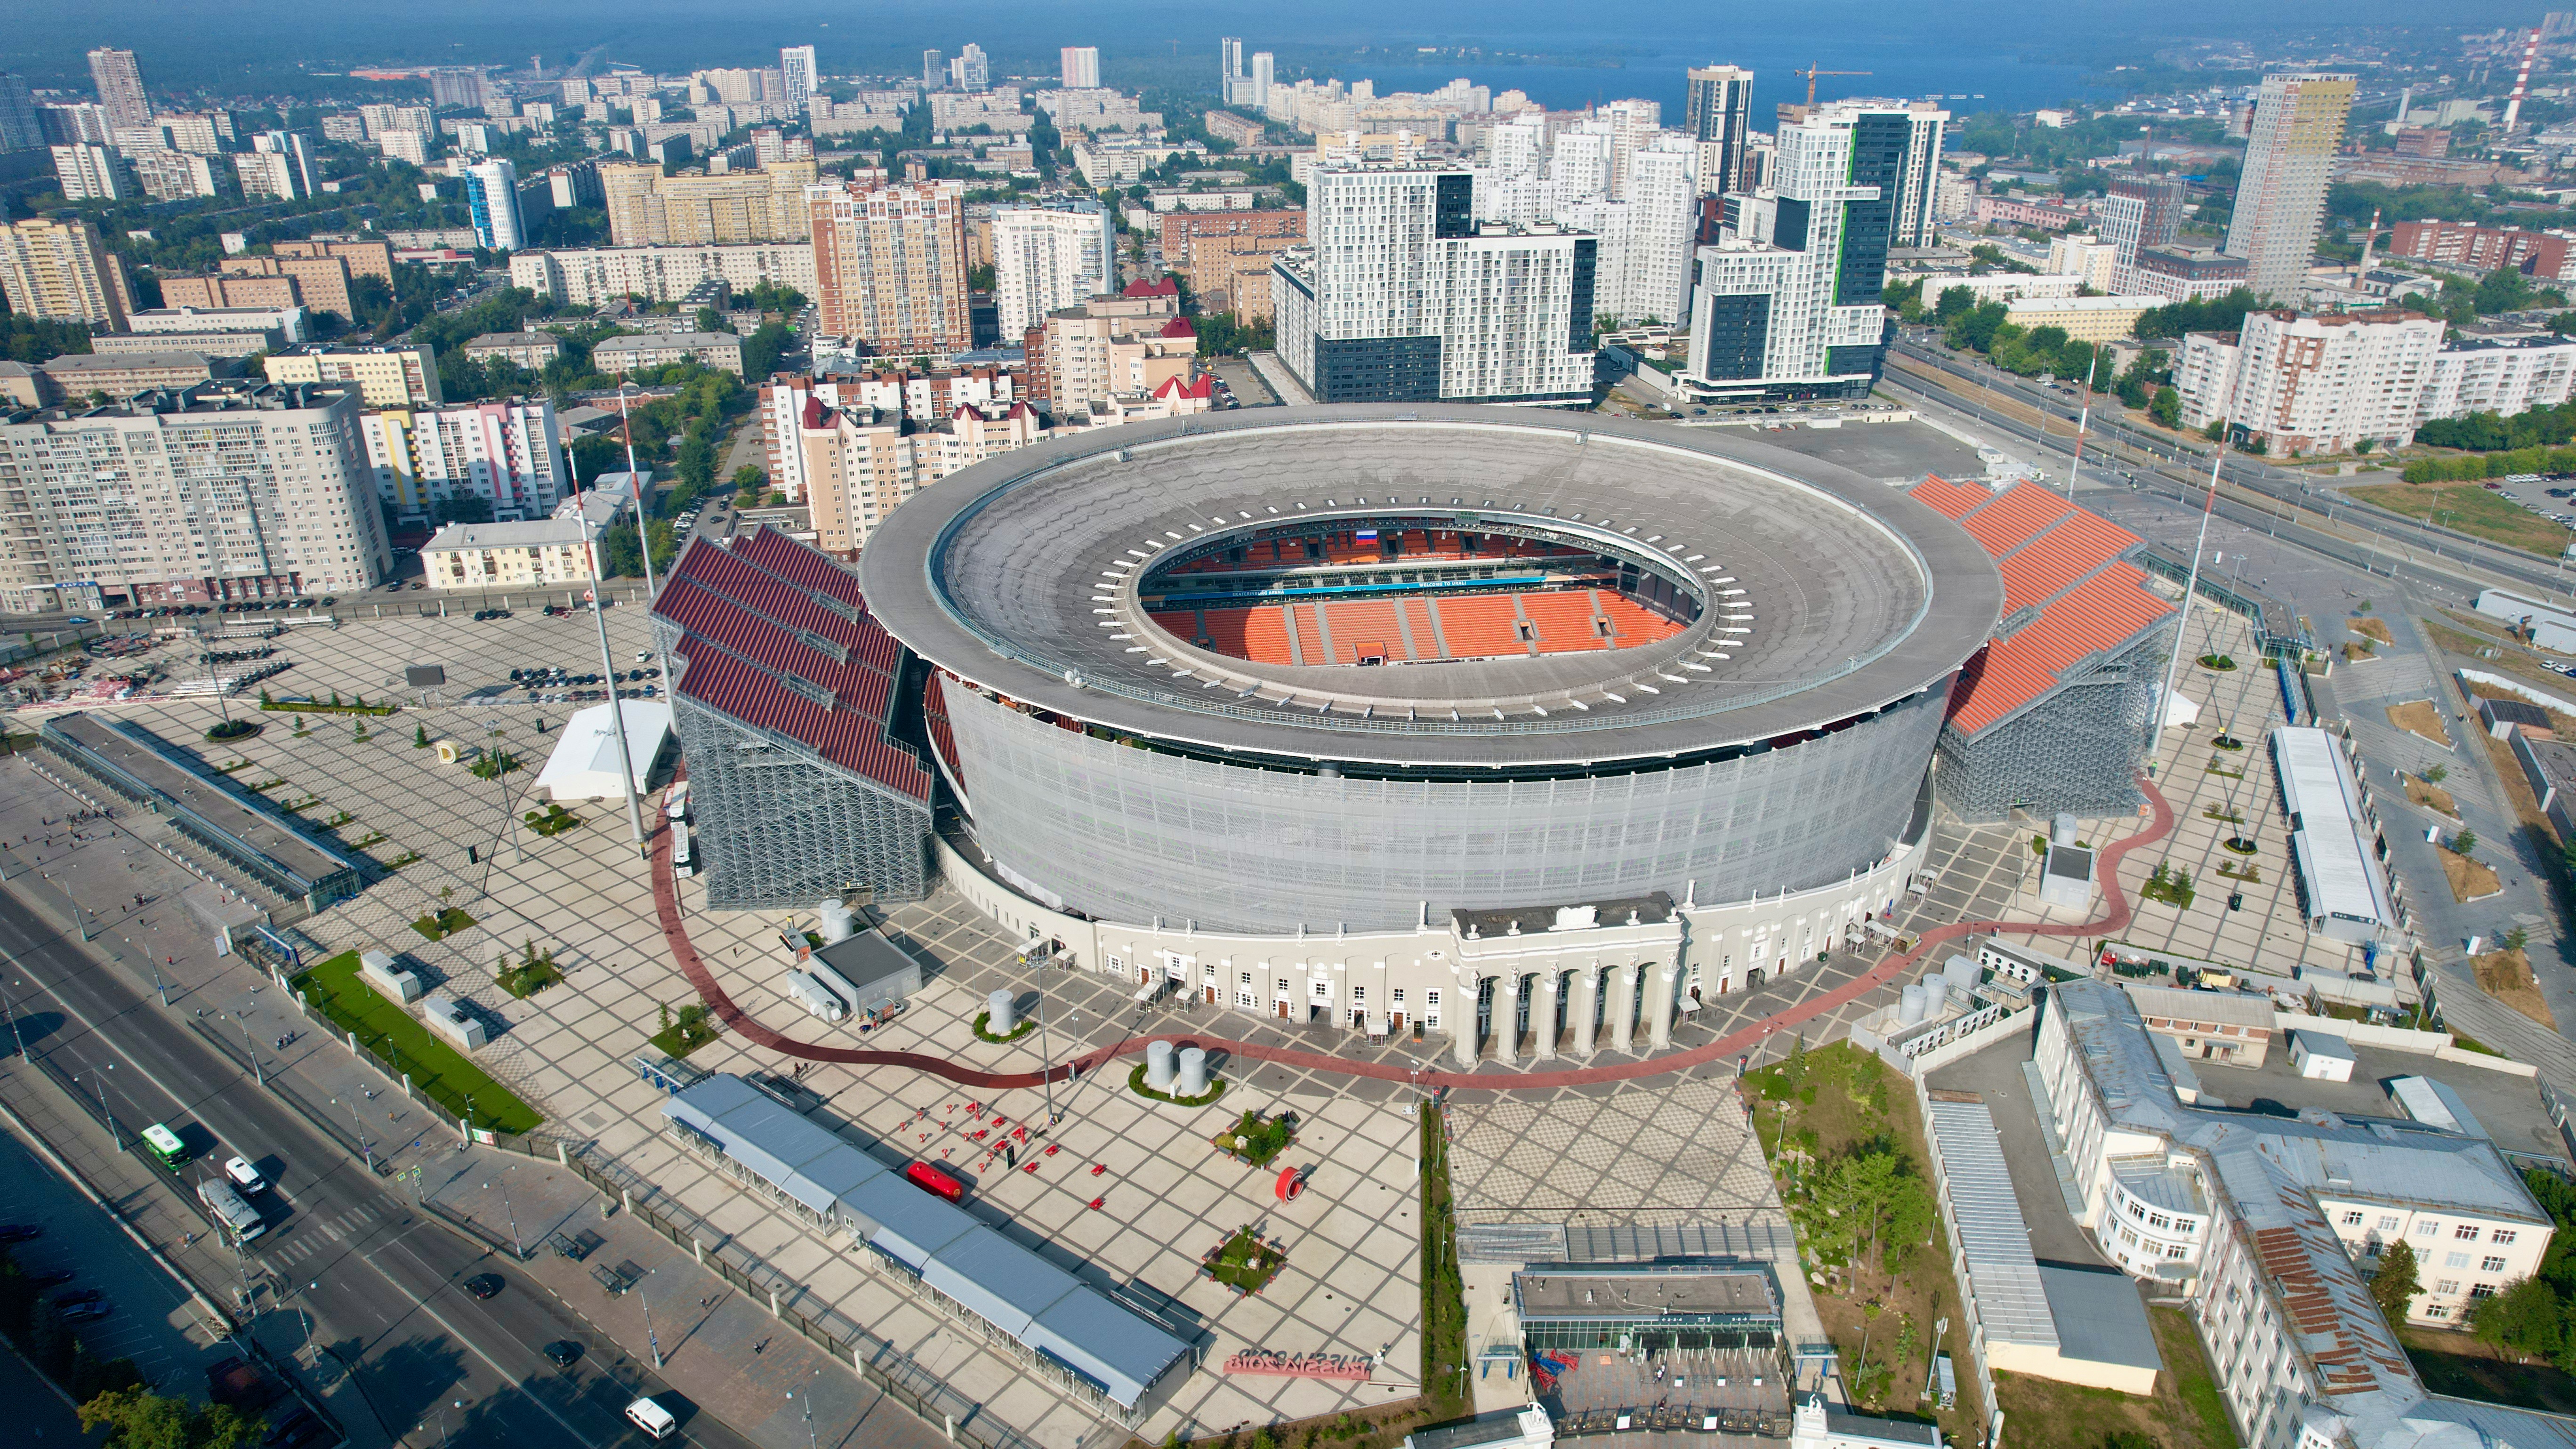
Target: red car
931	1179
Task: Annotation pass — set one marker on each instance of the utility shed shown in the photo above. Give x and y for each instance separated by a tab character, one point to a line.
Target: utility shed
2321	1057
2102	1328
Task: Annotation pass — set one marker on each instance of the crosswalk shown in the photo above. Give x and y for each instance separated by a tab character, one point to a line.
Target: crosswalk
334	1230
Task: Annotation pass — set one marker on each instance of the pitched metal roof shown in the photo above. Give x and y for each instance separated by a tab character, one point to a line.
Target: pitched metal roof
777	637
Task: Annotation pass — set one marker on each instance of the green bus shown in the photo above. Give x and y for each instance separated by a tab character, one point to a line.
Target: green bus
164	1144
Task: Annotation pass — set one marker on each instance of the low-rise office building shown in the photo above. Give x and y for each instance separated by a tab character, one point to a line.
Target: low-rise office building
231	346
395	376
719	350
287	322
530	553
118	375
529	350
2082	319
2272	1226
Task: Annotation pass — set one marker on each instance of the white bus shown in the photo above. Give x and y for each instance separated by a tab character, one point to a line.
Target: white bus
224	1203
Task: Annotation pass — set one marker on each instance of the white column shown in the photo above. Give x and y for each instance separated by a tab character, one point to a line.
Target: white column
1543	1014
1507	1012
1587	992
1462	1024
1623	998
1659	1007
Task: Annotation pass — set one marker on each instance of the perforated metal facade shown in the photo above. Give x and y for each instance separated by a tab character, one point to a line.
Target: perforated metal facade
778	826
1125	833
2075	750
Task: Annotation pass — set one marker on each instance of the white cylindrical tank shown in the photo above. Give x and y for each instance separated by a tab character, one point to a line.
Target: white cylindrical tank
1936	994
815	997
837	921
1158	1066
1001	1013
1909	1006
1194	1076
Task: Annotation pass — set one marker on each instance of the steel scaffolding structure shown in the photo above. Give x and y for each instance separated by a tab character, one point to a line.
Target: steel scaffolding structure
2076	748
781	827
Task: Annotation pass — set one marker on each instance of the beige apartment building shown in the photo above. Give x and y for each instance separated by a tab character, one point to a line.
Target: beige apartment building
386	377
322	282
647	208
890	263
1110	346
860	462
2292	137
367	257
223	291
538	552
59	271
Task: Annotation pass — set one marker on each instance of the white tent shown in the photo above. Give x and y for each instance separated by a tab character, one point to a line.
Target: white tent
2180	709
584	764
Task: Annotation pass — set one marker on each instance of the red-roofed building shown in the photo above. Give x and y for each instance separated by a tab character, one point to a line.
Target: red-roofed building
2053	714
1158	287
782	697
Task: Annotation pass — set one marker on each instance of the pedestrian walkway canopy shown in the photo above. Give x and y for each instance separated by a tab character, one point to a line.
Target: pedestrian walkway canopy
1091	1338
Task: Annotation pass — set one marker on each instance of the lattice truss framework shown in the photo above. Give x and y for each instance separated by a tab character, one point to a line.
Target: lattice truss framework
2076	749
780	828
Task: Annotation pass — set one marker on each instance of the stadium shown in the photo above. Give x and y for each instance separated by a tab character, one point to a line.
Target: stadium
1331	713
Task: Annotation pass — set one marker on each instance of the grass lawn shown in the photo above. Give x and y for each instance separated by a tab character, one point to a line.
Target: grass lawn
1825	1103
2455	1363
2472	510
1245	1263
2469	880
443	925
1263	1138
2506	976
438	1071
2419	718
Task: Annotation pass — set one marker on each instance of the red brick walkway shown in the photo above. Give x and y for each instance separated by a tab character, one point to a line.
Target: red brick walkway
666	902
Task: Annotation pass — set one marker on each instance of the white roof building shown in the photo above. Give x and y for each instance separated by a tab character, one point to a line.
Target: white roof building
584	763
2346	889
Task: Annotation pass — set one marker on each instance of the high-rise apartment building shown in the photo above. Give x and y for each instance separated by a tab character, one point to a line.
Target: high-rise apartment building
1404	297
506	456
492	196
796	67
1265	76
2311	384
279	164
2296	127
647	208
19	128
120	87
58	270
1718	117
228	490
1629	124
2141	210
380	119
80	123
1078	66
321	282
91	173
1229	59
970	71
890	263
589	276
934	70
1646	237
1048	257
1788	304
170	175
458	86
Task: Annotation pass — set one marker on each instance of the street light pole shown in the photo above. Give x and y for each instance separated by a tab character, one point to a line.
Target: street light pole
513	1214
364	1147
2191	585
646	1297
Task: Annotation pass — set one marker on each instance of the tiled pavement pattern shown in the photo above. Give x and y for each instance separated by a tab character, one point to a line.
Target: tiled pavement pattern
1166	1198
1667	1152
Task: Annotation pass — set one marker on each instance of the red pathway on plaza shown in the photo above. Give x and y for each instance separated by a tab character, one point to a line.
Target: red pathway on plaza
666	902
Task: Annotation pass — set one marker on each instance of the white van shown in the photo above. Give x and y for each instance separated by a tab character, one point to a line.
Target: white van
652	1418
683	861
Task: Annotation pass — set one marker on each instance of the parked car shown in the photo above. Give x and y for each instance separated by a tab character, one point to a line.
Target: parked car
484	1285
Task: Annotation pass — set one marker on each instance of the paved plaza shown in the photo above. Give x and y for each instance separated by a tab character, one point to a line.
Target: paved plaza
1662	1149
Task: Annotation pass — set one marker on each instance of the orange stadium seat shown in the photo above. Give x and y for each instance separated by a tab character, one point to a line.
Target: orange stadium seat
1480	626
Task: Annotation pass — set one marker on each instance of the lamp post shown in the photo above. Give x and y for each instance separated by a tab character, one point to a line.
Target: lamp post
365	1148
98	1079
645	1296
512	1213
2191	585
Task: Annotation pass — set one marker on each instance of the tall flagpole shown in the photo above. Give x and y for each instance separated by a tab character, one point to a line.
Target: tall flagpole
2182	626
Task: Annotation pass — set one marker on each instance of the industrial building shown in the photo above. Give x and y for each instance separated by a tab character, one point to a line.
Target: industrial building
1090	1341
1480	725
2053	715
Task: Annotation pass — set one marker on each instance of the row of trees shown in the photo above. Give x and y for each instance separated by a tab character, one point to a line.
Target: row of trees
2472	467
2492	432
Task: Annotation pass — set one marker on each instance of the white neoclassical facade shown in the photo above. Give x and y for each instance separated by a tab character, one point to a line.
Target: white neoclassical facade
1568	979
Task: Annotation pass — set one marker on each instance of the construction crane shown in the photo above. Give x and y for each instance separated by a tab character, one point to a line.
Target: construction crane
1811	73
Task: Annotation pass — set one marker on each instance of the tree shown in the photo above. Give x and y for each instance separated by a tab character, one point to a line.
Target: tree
2465	843
2524	1319
137	1418
748	478
2397	1282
